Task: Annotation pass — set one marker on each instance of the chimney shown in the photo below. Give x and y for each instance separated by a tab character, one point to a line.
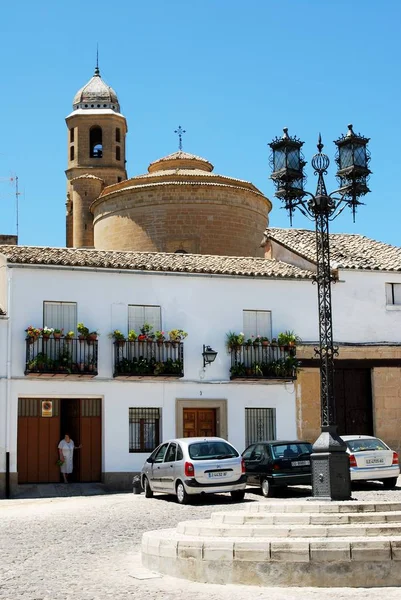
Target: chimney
8	240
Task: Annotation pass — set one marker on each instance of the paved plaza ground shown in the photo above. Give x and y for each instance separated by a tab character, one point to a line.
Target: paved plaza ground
87	548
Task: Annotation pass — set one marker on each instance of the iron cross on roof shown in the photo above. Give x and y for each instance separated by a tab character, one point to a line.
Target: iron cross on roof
180	131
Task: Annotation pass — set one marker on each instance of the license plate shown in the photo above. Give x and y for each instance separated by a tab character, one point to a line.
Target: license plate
300	463
217	475
374	461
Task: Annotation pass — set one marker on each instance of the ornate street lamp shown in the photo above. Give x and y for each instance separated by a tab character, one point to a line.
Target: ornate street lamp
330	463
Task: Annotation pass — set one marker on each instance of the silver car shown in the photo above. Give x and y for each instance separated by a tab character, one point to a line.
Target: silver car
189	466
371	459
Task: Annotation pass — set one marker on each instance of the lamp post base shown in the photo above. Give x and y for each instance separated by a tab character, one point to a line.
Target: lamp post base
330	467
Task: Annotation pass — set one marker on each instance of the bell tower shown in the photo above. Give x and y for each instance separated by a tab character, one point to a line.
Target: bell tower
95	155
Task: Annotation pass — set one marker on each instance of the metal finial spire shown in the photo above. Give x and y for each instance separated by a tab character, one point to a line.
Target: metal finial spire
180	131
97	72
319	143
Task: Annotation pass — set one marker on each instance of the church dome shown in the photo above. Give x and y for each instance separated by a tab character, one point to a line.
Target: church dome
96	94
180	160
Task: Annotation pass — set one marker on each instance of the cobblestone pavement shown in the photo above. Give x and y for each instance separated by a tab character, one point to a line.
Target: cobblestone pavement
87	548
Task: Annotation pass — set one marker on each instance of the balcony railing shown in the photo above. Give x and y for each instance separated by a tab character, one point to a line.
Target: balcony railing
148	358
263	362
61	356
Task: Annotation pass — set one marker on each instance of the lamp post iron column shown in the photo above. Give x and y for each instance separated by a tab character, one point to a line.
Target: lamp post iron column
330	463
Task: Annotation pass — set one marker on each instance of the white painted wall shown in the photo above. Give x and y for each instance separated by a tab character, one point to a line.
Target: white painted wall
118	396
360	313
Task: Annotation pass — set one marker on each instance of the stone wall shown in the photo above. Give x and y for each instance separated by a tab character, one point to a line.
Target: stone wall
201	219
386	392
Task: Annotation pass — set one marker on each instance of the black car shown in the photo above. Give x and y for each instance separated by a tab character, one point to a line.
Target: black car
274	464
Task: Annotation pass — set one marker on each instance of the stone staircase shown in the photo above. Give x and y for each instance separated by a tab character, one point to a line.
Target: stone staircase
323	544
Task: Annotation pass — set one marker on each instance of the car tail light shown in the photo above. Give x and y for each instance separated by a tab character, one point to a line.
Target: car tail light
352	461
243	468
276	467
395	458
189	469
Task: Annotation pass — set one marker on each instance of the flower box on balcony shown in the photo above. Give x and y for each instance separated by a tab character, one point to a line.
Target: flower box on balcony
150	359
65	356
263	362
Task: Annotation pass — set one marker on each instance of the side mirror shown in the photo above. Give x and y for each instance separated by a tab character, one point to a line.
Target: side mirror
150	460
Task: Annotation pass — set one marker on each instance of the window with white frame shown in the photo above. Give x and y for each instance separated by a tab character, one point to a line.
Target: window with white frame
257	322
144	429
260	425
393	294
60	315
138	315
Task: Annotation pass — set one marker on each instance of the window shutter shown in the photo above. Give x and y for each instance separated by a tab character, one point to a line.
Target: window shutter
60	315
249	317
257	322
264	323
138	315
397	293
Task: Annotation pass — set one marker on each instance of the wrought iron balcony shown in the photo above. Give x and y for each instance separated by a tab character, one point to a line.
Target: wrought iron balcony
61	356
263	362
148	359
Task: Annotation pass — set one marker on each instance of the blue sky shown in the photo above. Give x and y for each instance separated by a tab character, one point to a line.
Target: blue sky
232	73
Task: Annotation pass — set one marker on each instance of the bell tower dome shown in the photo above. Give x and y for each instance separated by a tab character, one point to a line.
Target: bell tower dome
95	154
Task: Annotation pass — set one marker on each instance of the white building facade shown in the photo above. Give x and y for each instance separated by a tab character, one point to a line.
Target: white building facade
118	414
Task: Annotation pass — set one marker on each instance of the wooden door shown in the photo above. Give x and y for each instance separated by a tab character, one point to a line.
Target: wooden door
38	438
199	422
91	440
353	394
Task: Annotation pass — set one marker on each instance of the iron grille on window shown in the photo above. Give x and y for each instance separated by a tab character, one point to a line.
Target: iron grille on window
144	429
260	425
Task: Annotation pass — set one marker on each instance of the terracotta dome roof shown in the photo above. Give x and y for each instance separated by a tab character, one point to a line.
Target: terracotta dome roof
180	160
96	94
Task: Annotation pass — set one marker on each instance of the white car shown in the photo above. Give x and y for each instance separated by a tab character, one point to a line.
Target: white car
189	466
371	459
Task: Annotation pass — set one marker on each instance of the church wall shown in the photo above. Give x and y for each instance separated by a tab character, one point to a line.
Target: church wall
199	219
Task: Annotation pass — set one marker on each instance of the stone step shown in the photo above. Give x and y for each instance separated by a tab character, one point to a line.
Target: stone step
298	518
325	562
214	529
314	506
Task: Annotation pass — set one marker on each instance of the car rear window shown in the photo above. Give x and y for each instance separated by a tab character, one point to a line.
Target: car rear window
211	450
365	445
291	450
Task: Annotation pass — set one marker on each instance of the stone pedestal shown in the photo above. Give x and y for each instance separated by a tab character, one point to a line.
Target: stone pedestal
321	544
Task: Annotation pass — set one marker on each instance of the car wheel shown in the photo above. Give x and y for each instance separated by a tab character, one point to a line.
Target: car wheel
389	483
182	496
266	488
237	495
147	488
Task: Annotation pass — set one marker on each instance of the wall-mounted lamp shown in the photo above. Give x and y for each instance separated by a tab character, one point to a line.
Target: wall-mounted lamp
209	355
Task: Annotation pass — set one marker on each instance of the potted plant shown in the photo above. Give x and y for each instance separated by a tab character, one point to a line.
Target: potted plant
32	333
238	370
265	341
92	336
69	336
160	337
58	333
118	336
177	335
273	342
132	335
47	332
82	331
146	332
248	343
234	340
257	341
